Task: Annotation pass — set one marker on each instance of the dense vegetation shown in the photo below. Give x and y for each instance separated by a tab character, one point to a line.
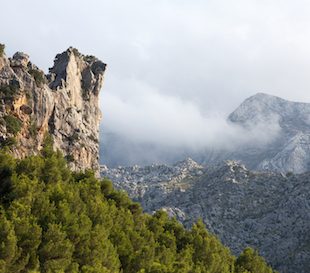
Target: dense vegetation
53	220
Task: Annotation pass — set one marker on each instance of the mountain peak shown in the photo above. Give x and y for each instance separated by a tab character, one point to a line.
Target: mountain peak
262	107
264	96
188	163
77	72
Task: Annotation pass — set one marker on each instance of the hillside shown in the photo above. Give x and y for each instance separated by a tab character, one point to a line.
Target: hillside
264	210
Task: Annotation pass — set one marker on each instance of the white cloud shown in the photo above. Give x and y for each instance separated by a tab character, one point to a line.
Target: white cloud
148	116
190	60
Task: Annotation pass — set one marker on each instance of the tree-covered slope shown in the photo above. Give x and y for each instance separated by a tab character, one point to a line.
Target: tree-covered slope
53	220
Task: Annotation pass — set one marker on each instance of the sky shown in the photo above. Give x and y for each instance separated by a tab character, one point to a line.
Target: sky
176	68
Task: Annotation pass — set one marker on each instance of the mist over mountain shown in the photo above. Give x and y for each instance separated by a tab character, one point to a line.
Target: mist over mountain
288	150
264	132
118	150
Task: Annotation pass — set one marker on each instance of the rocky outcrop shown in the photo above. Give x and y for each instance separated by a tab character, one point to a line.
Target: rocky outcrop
265	210
62	104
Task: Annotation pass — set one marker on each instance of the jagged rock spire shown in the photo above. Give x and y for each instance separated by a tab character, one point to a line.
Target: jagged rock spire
63	103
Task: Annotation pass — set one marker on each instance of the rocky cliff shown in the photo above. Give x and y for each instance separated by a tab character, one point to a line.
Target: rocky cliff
62	104
265	210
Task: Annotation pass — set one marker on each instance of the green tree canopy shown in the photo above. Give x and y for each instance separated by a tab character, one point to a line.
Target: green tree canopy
53	220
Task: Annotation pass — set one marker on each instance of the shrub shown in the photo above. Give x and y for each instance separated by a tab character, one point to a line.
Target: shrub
38	75
13	124
8	142
76	52
2	47
250	261
69	158
9	91
74	137
33	129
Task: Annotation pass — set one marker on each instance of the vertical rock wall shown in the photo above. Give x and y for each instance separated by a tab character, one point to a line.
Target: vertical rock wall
63	104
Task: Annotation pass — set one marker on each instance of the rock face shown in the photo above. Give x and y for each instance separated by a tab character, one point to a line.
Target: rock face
265	210
62	104
289	151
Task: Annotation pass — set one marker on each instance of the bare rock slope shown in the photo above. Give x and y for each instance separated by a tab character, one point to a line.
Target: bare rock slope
265	210
62	104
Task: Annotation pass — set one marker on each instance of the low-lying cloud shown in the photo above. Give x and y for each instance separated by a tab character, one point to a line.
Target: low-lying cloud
149	122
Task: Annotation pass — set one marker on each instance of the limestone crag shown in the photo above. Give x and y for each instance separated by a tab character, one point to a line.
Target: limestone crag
62	104
268	211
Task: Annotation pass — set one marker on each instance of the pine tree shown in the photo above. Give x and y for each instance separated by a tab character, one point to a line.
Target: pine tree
250	261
